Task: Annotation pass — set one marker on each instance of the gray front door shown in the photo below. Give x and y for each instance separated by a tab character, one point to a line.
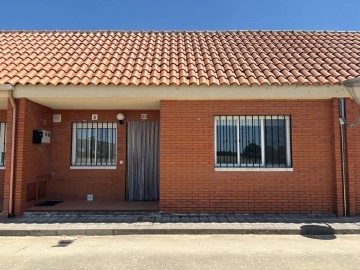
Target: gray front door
143	164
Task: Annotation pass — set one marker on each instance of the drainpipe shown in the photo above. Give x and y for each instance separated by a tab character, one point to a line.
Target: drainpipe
343	153
10	89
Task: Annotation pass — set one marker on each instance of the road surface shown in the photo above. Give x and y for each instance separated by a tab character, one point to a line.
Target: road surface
181	252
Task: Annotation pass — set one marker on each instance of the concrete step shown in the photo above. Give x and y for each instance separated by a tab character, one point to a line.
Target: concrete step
86	213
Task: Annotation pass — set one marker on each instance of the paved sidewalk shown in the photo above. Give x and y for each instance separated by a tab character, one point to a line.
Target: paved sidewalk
158	223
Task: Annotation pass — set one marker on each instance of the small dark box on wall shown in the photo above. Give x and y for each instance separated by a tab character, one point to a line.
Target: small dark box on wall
37	136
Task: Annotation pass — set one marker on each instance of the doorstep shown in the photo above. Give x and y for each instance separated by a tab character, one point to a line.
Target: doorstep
164	223
87	213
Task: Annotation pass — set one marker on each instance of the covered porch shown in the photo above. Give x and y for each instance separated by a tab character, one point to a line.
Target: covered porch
89	152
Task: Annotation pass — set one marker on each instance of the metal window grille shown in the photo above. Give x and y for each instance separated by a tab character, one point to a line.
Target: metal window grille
2	143
94	144
252	141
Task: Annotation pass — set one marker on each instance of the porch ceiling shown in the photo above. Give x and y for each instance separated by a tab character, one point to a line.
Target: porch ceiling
148	97
99	104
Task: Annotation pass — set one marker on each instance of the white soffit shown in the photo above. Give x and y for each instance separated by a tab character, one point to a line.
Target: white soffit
98	104
180	92
148	97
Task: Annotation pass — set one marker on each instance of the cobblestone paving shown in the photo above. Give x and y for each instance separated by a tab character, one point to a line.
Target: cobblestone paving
158	223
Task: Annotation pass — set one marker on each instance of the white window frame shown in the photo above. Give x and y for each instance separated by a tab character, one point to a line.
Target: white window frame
3	127
255	167
96	126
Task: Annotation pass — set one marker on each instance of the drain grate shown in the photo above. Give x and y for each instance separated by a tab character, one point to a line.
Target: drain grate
64	243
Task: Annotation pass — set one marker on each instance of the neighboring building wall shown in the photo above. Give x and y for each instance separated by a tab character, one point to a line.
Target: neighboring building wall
32	161
7	173
2	172
353	157
188	182
75	184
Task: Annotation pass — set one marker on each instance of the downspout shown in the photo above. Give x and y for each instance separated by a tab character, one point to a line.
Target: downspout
343	153
10	89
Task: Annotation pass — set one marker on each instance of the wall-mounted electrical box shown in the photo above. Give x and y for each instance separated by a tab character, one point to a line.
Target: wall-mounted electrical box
41	136
46	136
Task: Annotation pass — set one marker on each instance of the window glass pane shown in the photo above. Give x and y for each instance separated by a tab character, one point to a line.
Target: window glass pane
275	141
106	146
95	144
226	144
91	145
85	141
113	146
250	141
2	143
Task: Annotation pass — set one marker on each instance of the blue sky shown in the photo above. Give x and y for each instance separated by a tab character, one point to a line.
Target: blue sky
180	15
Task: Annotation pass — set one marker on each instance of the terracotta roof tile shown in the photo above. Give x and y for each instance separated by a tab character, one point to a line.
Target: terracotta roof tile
175	58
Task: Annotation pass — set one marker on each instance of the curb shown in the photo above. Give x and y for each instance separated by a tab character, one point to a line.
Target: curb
198	231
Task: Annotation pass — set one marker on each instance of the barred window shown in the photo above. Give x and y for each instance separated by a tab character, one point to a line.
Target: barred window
252	141
94	144
2	143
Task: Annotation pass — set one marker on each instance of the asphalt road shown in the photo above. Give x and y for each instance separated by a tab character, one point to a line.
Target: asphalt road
181	252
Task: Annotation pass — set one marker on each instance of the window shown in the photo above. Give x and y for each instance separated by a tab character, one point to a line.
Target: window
252	141
2	143
93	144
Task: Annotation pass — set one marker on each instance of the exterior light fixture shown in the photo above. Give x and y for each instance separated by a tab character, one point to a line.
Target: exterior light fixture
120	117
353	87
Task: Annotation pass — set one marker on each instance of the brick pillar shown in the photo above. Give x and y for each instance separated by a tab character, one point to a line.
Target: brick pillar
32	161
9	126
353	158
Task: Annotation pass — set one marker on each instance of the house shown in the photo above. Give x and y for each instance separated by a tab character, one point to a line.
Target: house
212	122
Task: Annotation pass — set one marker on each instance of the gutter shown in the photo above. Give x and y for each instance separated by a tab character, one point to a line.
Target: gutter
6	87
343	154
10	88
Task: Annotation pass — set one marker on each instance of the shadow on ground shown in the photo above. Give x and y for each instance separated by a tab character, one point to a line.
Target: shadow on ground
320	232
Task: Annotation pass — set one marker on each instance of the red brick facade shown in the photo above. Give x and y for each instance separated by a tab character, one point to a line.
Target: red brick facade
104	184
188	180
353	158
32	161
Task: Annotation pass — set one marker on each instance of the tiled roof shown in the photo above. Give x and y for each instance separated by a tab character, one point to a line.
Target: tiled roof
178	58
